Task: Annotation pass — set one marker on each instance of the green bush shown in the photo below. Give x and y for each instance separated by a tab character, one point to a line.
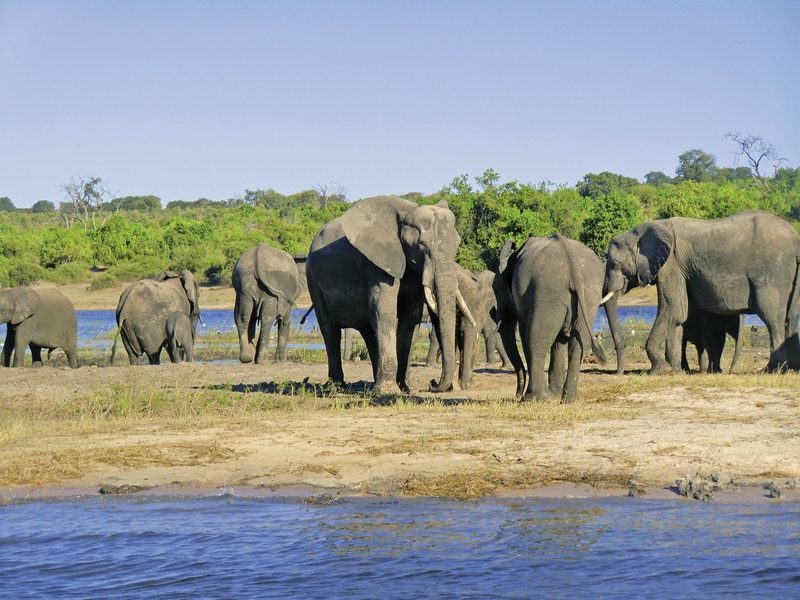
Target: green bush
103	281
144	267
20	271
71	272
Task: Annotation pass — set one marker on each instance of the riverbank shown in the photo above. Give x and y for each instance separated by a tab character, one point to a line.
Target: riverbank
85	298
277	427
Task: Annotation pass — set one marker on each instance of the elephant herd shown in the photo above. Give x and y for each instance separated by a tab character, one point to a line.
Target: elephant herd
384	262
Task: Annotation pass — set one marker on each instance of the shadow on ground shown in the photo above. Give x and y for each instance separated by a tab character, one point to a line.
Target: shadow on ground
363	390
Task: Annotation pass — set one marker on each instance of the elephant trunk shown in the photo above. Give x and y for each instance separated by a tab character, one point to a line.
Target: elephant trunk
445	289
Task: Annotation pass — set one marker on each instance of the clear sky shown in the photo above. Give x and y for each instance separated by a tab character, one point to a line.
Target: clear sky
206	99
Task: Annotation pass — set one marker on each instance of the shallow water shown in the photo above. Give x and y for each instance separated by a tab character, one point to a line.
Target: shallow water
363	548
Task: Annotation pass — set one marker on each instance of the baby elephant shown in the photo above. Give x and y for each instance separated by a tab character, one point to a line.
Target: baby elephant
179	342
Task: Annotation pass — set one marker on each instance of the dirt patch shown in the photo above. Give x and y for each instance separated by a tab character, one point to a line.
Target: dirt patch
277	426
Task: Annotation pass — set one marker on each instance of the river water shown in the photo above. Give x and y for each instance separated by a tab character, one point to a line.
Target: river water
95	327
224	547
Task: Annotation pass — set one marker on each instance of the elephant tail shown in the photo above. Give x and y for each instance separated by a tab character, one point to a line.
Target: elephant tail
305	316
114	347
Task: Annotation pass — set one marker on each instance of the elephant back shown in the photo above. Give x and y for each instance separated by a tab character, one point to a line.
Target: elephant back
277	273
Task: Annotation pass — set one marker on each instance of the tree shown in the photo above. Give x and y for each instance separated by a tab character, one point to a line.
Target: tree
610	216
597	185
43	206
330	192
85	197
755	149
696	165
6	204
657	178
150	204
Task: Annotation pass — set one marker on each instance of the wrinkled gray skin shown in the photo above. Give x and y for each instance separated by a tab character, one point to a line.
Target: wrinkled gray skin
180	343
267	282
368	269
144	308
707	332
551	287
38	319
744	264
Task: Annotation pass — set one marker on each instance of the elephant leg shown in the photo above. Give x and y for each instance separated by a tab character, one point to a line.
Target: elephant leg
383	319
505	362
433	348
576	350
540	332
332	336
684	357
655	340
284	327
612	313
267	314
347	354
557	372
174	352
371	342
466	341
36	354
774	317
674	334
21	342
8	345
155	357
408	317
133	358
72	355
245	318
489	341
508	333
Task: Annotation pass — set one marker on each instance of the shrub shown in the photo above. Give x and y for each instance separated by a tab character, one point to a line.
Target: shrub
71	272
20	271
103	281
141	268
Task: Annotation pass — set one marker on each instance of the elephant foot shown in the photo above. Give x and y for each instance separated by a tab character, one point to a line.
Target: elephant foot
245	358
434	386
660	368
531	397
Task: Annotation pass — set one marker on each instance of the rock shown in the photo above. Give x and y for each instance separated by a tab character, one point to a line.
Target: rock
122	489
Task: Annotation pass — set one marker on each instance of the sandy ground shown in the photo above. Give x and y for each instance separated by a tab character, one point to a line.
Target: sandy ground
626	432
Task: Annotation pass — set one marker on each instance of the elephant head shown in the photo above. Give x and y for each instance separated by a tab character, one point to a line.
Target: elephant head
407	240
634	258
17	304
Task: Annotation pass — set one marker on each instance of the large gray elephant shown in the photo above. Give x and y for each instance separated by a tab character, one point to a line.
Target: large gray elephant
482	307
39	319
707	333
371	269
267	282
748	263
145	307
551	287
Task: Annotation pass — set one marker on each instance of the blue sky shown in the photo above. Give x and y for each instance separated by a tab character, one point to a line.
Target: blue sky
190	99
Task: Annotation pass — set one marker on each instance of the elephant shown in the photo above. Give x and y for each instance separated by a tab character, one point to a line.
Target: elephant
144	308
267	281
39	319
744	264
371	269
707	331
476	289
180	343
551	287
492	341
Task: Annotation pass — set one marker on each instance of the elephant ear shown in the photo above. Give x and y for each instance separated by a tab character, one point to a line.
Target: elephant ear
277	273
26	303
655	247
192	290
164	275
372	226
506	256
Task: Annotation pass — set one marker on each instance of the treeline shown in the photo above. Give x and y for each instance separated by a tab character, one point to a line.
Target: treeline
120	239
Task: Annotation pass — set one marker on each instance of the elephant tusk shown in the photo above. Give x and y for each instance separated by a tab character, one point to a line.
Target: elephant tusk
606	298
463	306
430	300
